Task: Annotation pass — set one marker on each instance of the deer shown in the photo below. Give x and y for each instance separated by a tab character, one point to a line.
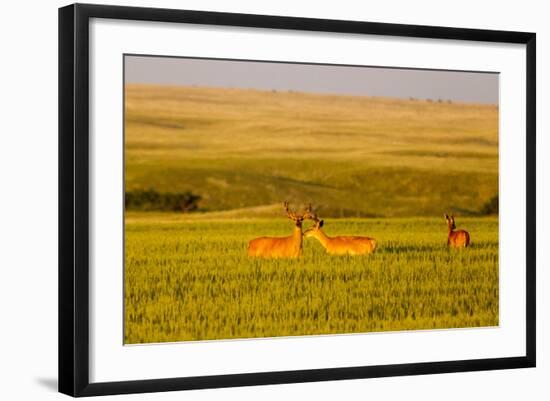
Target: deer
280	247
342	245
458	238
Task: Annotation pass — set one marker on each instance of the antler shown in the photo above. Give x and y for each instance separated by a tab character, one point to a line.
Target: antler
288	212
308	214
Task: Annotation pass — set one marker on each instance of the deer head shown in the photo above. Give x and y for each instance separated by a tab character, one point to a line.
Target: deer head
295	217
450	221
312	216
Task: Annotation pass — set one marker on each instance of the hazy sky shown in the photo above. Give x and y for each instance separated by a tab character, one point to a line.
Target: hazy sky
471	87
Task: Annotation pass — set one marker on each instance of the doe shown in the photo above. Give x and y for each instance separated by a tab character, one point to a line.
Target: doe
342	245
458	238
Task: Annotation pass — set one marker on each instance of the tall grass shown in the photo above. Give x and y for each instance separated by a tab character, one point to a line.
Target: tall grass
357	159
192	280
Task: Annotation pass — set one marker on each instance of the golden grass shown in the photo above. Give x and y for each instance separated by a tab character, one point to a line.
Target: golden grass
192	280
193	122
187	276
354	156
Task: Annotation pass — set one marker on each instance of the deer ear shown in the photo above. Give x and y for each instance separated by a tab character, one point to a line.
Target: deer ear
446	217
321	223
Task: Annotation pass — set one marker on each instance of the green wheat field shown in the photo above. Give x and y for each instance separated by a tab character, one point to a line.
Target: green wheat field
385	168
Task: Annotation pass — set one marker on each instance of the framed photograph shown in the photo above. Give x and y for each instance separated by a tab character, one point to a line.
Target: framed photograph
251	199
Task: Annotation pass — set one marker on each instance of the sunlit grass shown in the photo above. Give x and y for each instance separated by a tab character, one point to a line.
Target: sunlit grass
191	280
244	152
350	155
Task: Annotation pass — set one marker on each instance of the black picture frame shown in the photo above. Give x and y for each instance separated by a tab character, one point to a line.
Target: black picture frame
74	199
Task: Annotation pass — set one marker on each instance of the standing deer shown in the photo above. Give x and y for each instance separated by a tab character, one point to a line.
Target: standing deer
343	245
280	247
458	238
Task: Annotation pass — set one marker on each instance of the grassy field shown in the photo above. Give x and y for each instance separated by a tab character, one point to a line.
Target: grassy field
350	156
190	279
387	168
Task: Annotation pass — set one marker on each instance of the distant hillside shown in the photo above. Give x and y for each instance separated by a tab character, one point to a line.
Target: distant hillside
349	156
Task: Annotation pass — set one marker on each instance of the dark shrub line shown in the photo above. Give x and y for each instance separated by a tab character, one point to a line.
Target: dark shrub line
490	207
149	200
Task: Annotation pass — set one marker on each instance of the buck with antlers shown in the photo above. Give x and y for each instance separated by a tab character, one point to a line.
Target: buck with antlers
281	247
343	245
458	238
